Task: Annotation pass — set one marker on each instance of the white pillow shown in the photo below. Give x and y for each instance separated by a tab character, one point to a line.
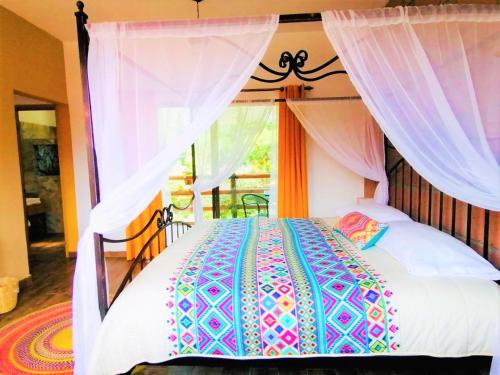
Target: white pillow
376	211
426	251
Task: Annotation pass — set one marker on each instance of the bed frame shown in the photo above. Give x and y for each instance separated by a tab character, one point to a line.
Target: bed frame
408	192
166	229
420	200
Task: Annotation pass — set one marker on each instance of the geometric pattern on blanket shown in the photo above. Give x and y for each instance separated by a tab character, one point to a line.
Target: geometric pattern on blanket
277	287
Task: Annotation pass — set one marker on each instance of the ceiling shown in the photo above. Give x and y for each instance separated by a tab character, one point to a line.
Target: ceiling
56	16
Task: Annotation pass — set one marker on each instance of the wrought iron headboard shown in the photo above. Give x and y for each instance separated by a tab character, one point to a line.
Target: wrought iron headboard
424	203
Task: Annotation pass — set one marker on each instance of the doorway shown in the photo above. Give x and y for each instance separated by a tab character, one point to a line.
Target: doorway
49	200
37	132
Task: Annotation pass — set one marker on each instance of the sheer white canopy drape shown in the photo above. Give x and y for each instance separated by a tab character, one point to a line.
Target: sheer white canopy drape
155	88
224	147
430	77
346	131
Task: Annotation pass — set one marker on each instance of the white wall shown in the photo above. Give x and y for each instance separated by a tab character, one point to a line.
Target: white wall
330	184
46	118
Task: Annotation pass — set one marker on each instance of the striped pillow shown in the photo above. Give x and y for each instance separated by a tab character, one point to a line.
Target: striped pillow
362	230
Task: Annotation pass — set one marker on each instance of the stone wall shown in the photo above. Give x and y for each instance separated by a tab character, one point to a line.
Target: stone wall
47	188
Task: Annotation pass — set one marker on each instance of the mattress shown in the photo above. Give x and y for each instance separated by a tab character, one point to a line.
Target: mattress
389	312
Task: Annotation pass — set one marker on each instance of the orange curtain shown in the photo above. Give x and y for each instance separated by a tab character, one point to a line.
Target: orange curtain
292	162
135	246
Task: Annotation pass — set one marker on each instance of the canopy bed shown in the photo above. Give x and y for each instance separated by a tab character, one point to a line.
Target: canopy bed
264	288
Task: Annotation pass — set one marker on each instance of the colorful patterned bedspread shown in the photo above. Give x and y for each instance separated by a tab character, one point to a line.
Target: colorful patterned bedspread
264	287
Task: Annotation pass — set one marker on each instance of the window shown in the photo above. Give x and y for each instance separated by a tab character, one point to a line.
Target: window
255	175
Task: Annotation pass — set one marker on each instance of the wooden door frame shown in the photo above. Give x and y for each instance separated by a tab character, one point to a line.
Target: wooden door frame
19	108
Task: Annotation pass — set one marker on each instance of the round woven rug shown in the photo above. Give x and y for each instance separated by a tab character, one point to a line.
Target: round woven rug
39	343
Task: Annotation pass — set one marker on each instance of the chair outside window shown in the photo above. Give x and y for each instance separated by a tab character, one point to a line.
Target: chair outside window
254	202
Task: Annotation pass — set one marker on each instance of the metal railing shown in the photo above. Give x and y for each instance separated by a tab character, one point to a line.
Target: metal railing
234	192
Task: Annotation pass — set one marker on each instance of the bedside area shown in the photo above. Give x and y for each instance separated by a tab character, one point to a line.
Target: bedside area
36	216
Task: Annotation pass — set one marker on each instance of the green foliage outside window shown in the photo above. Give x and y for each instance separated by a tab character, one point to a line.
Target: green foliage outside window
258	162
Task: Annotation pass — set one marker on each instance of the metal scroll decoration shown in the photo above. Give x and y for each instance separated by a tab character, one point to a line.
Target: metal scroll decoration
295	64
166	217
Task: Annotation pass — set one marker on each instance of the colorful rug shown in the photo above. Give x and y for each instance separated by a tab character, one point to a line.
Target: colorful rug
39	343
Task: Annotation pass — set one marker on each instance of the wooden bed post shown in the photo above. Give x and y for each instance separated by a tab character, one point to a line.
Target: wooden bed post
83	45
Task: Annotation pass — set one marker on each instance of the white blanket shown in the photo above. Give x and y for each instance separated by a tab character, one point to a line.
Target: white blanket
438	317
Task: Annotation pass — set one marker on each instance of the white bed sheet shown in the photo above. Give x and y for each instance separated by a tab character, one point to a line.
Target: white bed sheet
436	316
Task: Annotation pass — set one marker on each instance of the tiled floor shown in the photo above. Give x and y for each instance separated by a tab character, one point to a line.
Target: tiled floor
52	275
